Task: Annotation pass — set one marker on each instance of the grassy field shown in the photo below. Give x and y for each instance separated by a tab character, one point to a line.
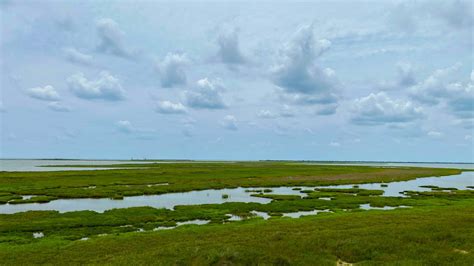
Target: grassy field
441	235
435	229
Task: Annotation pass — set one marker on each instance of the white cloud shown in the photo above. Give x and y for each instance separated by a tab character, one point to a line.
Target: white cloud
75	56
205	95
378	108
437	88
266	114
461	98
287	111
58	107
46	93
106	87
229	50
406	77
167	107
229	122
335	144
171	70
125	126
435	134
297	71
434	87
111	38
301	79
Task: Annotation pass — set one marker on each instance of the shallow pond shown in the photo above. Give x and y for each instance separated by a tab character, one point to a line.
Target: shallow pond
213	196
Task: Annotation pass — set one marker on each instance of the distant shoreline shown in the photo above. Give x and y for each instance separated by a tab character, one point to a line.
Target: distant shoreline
191	160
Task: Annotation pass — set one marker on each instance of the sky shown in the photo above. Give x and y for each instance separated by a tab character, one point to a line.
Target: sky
228	80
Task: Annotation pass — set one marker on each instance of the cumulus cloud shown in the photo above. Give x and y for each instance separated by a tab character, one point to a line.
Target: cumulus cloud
46	93
58	107
106	87
305	99
438	88
406	77
125	126
266	114
301	79
77	57
229	50
167	107
284	111
111	38
229	122
461	98
434	87
378	108
206	94
171	70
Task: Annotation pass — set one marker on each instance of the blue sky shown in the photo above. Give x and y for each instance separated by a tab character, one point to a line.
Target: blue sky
327	80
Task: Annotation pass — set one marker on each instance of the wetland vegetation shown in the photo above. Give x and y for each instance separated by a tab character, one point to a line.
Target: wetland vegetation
431	227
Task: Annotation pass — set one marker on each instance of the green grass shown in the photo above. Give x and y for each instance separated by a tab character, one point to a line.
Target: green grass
436	235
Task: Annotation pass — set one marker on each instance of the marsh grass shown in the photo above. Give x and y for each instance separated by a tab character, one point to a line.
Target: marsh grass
431	235
187	176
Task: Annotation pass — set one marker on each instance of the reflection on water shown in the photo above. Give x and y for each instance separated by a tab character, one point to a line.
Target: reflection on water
213	196
264	215
196	222
303	213
169	200
394	189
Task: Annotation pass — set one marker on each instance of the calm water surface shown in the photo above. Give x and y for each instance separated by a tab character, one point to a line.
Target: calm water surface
35	165
215	196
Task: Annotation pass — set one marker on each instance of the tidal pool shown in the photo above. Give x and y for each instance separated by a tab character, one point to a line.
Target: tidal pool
303	213
215	196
